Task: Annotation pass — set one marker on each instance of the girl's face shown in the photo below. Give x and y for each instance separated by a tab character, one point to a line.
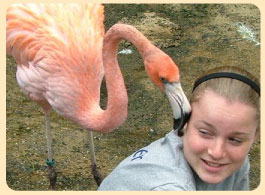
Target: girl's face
218	137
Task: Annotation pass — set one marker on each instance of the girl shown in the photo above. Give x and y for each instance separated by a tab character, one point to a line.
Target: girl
213	152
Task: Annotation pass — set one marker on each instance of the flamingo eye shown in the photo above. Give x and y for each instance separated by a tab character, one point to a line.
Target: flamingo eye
163	79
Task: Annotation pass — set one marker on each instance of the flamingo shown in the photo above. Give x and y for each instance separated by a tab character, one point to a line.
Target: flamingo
62	54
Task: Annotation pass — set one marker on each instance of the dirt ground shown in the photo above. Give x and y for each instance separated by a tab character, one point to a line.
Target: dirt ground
201	36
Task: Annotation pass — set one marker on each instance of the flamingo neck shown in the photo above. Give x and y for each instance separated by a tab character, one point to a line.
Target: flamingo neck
117	105
122	31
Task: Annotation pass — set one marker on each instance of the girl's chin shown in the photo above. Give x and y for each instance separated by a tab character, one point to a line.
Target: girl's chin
211	180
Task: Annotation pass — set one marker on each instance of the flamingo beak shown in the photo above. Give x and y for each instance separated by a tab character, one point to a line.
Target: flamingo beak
180	105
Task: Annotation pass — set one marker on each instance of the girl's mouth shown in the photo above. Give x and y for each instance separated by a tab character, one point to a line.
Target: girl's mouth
213	166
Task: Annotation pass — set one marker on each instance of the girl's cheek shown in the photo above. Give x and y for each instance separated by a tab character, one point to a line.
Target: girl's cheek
196	143
237	153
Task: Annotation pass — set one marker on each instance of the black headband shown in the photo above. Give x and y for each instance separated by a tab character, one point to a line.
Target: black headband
232	75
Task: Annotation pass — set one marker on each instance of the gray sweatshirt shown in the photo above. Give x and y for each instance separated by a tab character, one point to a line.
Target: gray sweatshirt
162	166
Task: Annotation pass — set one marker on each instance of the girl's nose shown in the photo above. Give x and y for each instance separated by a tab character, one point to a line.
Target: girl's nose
217	149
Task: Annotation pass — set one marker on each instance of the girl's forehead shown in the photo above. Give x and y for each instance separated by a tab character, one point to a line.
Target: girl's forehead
218	111
213	100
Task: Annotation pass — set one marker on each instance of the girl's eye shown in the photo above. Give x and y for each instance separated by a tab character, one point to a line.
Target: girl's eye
204	133
235	141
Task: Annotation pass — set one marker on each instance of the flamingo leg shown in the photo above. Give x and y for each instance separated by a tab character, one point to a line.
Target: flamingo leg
96	173
50	160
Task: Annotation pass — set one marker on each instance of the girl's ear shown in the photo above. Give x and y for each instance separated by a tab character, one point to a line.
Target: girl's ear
257	133
185	129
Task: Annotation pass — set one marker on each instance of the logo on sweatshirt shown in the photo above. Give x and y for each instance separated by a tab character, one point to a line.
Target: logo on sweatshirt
139	154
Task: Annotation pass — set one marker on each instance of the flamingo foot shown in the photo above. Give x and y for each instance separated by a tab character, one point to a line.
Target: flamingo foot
52	177
96	174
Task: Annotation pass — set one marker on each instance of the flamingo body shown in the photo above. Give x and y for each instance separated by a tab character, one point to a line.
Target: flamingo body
58	49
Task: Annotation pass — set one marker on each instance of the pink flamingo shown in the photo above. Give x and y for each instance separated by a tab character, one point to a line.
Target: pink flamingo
62	55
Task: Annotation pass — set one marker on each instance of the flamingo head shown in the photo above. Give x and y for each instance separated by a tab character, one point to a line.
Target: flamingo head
164	73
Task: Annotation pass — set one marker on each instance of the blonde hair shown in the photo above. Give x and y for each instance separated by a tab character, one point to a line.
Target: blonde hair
231	89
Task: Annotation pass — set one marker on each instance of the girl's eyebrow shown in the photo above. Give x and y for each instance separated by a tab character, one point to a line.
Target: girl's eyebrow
240	133
207	124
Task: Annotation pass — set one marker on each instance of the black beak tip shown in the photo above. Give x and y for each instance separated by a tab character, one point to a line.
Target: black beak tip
180	122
